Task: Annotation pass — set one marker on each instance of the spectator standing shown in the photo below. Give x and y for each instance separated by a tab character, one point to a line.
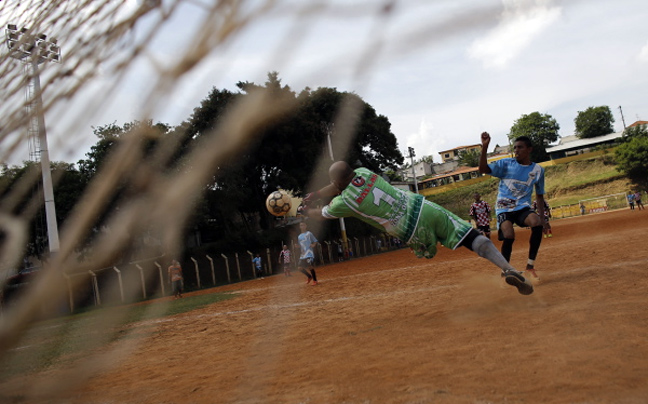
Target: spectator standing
175	278
637	198
480	210
547	216
631	200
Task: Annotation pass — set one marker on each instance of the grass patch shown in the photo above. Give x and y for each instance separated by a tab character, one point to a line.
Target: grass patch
63	340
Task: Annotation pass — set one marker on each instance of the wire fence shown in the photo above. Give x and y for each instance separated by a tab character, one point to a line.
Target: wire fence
148	279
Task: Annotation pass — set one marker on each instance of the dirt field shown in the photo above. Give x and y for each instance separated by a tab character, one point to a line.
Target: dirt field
395	329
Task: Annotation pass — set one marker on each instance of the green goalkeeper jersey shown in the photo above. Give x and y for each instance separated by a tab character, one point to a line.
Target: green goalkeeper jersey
404	215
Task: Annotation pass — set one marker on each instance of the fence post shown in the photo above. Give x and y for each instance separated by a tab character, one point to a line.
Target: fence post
252	263
121	285
95	286
197	273
161	277
70	292
229	280
269	267
211	264
238	266
328	247
321	255
141	270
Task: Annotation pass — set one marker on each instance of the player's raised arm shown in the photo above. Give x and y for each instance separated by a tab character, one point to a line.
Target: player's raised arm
483	161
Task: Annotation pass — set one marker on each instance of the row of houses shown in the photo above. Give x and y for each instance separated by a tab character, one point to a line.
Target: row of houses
432	175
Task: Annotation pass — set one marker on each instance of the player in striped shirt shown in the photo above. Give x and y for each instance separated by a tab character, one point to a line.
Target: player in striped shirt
480	210
420	223
284	260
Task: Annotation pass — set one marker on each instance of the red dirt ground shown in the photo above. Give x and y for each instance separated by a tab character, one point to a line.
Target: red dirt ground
395	329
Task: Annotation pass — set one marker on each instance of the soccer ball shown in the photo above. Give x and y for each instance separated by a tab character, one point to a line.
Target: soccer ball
278	203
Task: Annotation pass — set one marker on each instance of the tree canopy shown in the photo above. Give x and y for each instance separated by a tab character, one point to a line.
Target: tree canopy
632	154
542	129
593	122
469	158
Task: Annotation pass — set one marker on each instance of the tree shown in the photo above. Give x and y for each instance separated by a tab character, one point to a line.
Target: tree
594	121
469	158
632	159
542	129
634	132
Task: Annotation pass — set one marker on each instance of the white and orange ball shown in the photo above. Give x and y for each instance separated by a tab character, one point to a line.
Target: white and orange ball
278	203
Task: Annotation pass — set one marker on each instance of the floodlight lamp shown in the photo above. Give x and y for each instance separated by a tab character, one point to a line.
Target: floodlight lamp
12	27
53	40
42	36
13	36
24	29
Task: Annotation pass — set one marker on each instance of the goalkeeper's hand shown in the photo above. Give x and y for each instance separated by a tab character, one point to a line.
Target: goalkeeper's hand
302	210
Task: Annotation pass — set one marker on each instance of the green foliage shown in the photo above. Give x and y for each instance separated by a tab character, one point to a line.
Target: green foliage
542	129
594	121
632	158
469	158
635	132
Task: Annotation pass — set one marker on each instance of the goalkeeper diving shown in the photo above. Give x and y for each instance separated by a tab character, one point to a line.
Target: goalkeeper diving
422	224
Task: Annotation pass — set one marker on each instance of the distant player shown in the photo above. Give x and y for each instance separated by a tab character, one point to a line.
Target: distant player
518	176
284	260
175	278
422	224
547	216
307	243
258	265
481	211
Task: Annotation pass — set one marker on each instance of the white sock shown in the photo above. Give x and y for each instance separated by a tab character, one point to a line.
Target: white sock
486	249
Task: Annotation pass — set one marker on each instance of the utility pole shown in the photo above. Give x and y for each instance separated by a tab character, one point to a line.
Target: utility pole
34	50
411	156
622	118
330	128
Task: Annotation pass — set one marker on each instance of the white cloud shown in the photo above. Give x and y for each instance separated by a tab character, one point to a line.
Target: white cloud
424	141
643	54
521	22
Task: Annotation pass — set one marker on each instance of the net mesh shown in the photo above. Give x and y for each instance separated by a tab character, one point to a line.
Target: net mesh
101	44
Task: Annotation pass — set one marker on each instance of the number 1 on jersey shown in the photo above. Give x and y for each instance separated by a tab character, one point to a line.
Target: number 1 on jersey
380	195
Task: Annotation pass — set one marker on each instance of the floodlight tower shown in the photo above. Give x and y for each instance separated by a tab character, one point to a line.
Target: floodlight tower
412	153
32	50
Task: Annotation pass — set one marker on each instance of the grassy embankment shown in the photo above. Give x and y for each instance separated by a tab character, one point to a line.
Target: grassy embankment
565	184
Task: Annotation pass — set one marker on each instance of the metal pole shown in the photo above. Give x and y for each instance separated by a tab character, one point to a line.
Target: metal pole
229	279
121	285
141	271
238	266
411	155
211	264
161	277
197	273
48	189
252	263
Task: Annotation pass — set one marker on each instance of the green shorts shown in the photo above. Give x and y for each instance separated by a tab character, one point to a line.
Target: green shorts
437	224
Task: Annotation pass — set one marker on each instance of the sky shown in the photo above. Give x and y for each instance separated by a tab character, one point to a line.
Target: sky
441	71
